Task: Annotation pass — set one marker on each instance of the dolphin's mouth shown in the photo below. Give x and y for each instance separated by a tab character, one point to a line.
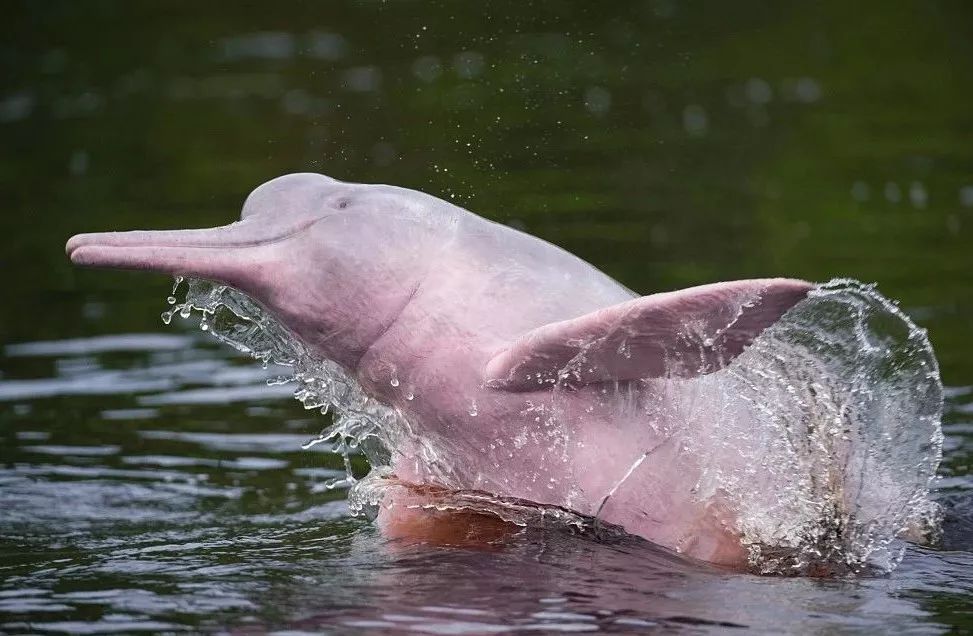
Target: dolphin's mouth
215	253
272	213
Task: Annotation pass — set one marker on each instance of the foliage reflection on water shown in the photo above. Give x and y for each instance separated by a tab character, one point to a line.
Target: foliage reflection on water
170	507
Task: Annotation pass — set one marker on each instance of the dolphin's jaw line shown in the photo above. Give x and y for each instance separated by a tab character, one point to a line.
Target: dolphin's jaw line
217	238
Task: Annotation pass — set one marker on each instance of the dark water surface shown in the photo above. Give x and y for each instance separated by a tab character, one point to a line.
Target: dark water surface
151	480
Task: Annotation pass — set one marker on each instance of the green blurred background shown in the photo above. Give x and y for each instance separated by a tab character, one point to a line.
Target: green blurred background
668	143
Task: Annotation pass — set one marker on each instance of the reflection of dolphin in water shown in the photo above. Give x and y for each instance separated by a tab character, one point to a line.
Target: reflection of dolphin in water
511	366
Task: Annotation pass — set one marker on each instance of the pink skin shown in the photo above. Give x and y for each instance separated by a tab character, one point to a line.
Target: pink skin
506	344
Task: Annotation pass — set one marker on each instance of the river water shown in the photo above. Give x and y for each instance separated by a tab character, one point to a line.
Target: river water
151	480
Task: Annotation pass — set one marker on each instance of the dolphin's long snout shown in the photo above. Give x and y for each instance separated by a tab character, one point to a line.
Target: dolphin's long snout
138	248
205	252
273	212
229	253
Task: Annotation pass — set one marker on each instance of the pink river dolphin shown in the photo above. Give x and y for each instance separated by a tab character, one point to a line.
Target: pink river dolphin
496	347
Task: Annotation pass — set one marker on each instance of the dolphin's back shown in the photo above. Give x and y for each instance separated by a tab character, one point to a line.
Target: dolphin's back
514	282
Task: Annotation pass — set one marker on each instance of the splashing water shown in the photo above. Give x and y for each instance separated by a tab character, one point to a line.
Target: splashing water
826	438
359	423
837	449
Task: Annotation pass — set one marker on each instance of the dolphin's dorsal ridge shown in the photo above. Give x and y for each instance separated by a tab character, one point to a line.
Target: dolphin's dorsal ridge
676	334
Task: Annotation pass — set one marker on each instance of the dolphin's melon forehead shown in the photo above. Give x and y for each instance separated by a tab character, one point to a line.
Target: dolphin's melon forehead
310	194
299	192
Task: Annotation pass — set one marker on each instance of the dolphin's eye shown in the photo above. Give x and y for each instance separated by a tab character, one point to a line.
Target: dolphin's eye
342	203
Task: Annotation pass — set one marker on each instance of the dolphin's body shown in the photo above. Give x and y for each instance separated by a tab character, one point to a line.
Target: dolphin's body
544	379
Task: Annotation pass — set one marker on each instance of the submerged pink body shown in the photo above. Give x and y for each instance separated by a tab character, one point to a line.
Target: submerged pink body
497	347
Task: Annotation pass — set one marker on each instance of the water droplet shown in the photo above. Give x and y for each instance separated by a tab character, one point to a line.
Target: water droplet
171	300
473	410
311	443
394	381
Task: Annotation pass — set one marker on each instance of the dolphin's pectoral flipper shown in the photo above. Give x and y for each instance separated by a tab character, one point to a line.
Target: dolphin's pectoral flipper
681	334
